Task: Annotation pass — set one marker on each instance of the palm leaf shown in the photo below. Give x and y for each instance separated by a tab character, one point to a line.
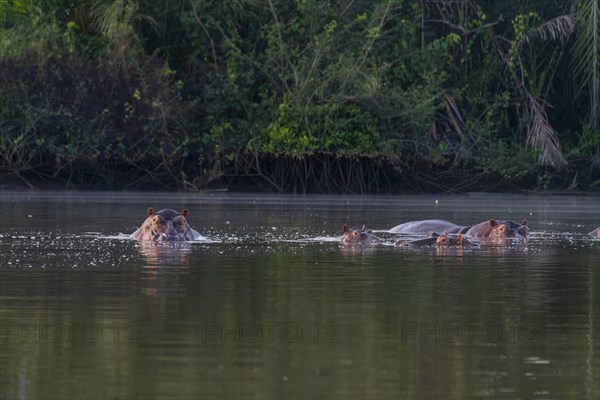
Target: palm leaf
541	136
556	28
114	19
586	54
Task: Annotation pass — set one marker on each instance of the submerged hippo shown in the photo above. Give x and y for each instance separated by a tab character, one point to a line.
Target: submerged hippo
428	241
443	240
595	233
358	236
500	229
166	225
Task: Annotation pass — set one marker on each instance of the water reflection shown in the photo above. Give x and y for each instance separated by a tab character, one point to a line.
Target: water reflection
165	268
163	254
353	249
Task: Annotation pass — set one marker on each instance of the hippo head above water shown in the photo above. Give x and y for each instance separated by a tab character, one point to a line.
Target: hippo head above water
437	240
166	225
518	229
358	236
500	229
459	241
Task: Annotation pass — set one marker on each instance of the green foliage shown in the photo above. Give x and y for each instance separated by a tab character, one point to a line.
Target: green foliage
589	140
63	113
347	129
177	90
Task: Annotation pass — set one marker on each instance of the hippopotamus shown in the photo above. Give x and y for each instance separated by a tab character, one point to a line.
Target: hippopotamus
358	236
595	233
443	240
493	228
521	228
499	229
428	241
166	225
427	226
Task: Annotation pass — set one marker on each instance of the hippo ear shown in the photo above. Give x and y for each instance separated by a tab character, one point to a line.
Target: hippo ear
185	213
150	212
345	228
459	238
493	222
525	222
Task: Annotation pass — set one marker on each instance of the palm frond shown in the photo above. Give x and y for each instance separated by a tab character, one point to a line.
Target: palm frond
541	136
115	19
556	28
586	54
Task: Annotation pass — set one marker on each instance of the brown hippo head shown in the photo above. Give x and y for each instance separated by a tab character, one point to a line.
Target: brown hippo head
358	236
521	228
166	225
500	229
459	241
443	240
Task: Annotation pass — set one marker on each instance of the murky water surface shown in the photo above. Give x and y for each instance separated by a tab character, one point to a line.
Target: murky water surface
269	305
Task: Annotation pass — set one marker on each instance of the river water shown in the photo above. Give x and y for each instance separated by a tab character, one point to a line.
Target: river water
269	305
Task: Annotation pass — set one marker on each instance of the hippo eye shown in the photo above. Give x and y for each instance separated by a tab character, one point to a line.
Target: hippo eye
355	234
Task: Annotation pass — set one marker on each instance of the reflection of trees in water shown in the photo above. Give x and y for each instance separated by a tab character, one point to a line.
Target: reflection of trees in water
592	299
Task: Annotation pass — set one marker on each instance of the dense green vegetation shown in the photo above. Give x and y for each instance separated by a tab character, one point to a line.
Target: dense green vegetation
301	95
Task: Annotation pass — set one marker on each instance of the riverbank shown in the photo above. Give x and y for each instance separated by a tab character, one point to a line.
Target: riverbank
319	173
296	98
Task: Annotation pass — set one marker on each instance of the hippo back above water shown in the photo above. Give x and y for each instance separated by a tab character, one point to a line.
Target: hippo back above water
495	229
166	225
427	226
